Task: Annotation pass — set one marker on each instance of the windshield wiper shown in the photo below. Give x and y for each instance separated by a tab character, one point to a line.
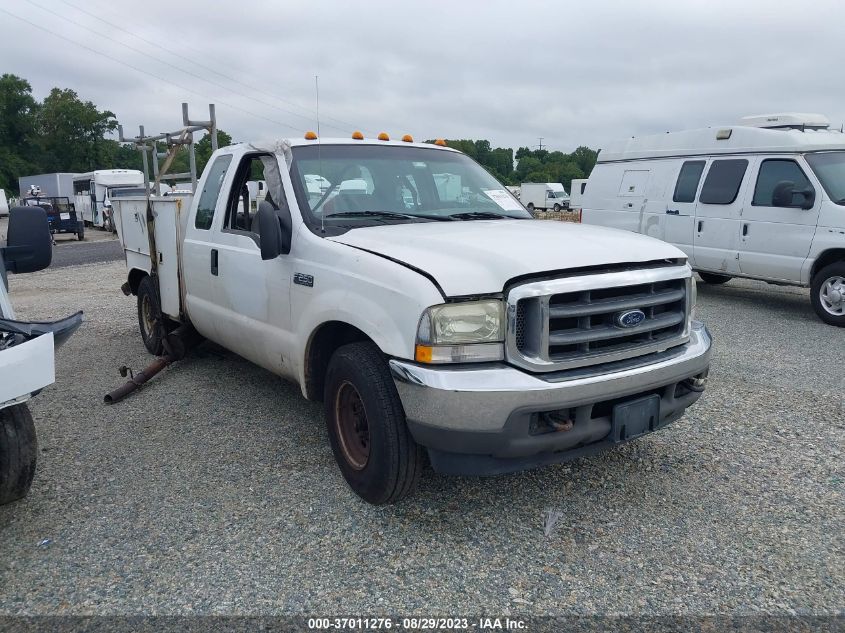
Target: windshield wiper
387	214
481	215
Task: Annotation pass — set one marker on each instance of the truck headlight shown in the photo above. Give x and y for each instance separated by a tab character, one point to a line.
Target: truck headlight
469	331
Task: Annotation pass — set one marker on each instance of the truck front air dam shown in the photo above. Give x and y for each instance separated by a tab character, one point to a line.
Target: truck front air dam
485	419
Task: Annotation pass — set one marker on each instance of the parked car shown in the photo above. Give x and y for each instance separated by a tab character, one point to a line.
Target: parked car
26	352
764	199
543	196
425	321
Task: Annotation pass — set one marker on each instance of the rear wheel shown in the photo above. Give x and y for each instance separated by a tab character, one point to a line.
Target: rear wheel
714	279
150	320
80	231
827	294
366	424
18	452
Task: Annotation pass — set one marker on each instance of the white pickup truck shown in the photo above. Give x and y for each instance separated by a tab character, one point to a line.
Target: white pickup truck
449	325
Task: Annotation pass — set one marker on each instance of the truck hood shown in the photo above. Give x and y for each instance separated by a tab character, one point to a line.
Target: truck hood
479	257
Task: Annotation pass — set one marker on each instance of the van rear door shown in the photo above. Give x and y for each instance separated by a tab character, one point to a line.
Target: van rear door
775	233
717	216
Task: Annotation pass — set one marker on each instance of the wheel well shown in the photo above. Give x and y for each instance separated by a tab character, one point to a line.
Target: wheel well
324	342
826	258
135	277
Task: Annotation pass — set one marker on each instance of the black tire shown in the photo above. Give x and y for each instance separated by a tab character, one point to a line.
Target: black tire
836	270
80	232
391	468
18	452
149	317
530	206
714	279
557	207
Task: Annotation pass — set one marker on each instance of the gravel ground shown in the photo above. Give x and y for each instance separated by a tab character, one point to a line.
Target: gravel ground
214	490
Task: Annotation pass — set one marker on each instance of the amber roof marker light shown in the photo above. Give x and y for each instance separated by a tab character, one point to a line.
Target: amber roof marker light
310	135
356	135
440	142
407	139
383	137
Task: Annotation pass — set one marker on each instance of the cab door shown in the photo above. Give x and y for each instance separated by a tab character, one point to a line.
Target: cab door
717	216
777	230
252	294
680	209
200	252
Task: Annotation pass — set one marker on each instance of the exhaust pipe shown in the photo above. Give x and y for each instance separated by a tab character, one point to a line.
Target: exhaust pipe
177	344
136	381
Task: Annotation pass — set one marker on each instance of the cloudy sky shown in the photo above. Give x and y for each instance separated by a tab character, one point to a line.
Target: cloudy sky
573	73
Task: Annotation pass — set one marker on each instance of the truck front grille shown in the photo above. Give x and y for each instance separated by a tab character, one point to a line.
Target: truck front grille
595	318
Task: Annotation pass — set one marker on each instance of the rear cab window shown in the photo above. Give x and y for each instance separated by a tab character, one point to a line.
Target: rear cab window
723	180
211	191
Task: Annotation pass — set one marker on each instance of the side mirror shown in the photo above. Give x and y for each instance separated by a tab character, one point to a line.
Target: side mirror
29	245
274	230
785	192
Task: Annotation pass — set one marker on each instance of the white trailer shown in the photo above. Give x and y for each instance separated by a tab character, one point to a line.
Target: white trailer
91	193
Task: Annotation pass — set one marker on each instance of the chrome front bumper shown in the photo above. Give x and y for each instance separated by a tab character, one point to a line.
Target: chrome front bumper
485	410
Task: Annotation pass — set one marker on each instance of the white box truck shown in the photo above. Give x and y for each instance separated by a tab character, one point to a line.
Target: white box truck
764	199
543	196
425	321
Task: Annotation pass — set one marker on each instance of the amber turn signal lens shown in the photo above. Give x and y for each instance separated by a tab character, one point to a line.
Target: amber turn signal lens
357	136
383	137
423	353
310	136
408	138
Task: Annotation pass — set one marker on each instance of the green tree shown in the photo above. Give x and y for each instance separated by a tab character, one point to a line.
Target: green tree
72	133
18	110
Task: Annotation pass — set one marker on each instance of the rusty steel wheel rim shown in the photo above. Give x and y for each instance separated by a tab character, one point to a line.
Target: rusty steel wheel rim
353	430
147	316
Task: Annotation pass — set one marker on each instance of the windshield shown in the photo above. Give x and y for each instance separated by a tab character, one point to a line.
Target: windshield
349	185
829	168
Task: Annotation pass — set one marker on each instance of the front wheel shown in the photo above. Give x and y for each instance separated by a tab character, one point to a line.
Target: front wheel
557	207
18	452
714	279
370	440
530	207
827	294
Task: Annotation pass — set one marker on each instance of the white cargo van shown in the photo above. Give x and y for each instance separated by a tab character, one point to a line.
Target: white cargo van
544	196
764	199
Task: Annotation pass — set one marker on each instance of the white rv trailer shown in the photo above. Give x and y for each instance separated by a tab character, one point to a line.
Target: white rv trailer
764	199
91	193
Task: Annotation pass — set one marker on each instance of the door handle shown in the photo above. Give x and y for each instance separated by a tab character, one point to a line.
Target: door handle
673	211
700	225
214	268
744	230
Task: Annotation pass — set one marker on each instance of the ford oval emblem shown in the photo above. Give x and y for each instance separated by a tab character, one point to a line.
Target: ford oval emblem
630	318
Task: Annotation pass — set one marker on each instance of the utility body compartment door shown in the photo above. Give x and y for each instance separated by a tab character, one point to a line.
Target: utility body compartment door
775	239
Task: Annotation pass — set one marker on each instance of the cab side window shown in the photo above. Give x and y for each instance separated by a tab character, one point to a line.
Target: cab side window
774	172
688	180
210	192
723	181
249	189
